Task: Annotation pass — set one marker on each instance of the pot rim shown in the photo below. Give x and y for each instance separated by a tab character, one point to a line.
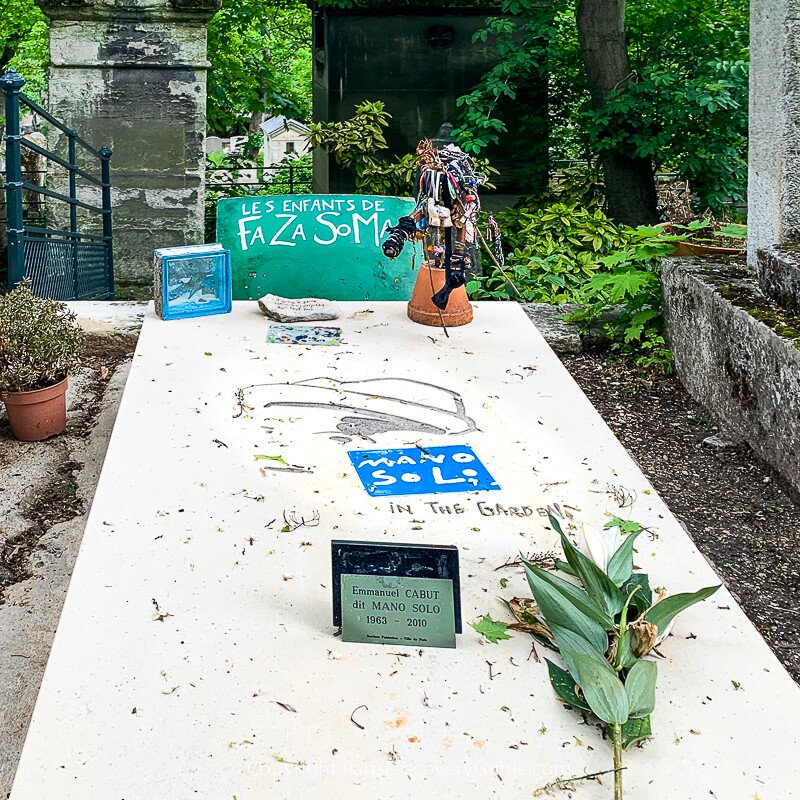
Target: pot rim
34	395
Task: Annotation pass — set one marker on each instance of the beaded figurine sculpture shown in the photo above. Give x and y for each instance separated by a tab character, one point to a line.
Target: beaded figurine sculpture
445	217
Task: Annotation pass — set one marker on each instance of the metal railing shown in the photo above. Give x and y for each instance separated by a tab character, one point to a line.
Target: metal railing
61	261
287	177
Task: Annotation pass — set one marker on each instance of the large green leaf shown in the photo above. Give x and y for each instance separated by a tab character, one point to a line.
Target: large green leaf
564	686
635	730
577	595
493	630
620	565
570	642
601	687
641	688
555	523
560	609
643	599
598	585
566	568
661	614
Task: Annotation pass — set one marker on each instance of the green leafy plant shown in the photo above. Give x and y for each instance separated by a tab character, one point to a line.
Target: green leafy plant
558	228
684	106
260	56
39	341
706	137
358	144
234	162
563	253
711	232
604	621
626	297
24	45
554	250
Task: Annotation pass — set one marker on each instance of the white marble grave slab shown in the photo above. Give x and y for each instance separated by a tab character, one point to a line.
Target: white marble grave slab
188	706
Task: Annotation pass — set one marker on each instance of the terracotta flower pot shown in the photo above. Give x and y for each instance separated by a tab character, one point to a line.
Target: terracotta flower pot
690	248
421	308
39	414
696	249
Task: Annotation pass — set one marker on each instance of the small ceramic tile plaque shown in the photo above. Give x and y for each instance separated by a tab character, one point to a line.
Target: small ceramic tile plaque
434	563
304	334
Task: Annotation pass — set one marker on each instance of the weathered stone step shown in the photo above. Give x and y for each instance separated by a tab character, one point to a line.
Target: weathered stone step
779	275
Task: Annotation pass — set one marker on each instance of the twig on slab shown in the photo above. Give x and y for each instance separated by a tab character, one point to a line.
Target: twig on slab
358	724
566	784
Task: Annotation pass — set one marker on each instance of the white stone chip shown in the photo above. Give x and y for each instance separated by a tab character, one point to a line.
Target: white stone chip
306	309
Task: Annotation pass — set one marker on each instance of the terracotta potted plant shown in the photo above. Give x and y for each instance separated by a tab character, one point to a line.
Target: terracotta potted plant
39	344
704	237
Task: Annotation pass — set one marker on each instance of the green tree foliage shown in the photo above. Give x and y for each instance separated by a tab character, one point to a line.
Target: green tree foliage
359	143
24	44
260	54
685	106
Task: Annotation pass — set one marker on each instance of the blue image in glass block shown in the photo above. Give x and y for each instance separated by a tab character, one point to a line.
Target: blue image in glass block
415	470
196	283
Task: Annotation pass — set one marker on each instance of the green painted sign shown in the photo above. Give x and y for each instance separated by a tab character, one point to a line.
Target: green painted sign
315	246
381	609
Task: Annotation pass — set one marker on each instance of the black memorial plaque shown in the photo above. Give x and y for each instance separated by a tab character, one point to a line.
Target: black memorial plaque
403	560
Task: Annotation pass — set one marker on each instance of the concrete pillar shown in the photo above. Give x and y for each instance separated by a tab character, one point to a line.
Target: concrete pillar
773	195
132	75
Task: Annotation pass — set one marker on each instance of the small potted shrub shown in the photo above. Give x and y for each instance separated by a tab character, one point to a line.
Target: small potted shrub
39	344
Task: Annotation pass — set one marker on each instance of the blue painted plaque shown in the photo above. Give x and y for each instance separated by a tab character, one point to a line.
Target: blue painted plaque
416	470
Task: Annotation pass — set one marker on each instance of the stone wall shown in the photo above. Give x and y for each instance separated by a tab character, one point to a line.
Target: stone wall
132	76
736	352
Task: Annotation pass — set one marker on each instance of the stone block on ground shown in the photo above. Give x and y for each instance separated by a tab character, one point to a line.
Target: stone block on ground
779	275
736	352
109	324
549	320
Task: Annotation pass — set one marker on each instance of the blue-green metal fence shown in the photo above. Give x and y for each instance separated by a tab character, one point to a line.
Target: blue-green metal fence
61	263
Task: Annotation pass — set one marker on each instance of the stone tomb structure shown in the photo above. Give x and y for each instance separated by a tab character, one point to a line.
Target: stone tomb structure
734	326
418	58
196	655
132	76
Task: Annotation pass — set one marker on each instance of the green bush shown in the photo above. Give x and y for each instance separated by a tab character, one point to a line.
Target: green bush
559	227
567	254
358	144
552	252
39	341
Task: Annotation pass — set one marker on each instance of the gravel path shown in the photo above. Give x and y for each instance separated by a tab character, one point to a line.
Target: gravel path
737	509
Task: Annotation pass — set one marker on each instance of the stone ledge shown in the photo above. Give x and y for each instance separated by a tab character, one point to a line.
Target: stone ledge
779	275
560	335
736	352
